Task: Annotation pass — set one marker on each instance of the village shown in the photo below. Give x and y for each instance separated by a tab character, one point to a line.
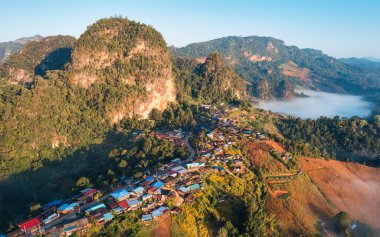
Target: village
157	195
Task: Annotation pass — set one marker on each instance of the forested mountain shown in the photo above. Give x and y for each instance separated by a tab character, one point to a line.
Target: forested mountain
209	82
363	63
9	48
37	57
107	107
269	64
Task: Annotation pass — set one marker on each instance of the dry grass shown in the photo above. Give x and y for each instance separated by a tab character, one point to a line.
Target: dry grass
351	187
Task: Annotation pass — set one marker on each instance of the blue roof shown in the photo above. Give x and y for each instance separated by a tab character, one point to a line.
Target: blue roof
67	207
62	207
162	209
133	202
117	209
194	187
158	184
107	216
183	189
2	235
192	164
146	217
52	203
149	179
156	213
97	206
138	190
120	194
70	228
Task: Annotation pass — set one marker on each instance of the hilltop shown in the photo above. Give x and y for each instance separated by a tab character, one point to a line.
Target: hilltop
9	48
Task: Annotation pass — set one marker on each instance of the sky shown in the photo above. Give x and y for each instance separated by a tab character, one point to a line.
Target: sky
340	28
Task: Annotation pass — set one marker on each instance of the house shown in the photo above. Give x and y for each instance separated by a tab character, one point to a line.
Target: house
95	207
107	217
158	184
78	225
30	224
86	195
159	211
66	208
189	198
138	191
133	203
192	166
52	204
176	210
123	204
50	218
117	210
183	189
165	192
147	217
194	187
120	195
55	231
180	170
146	197
16	233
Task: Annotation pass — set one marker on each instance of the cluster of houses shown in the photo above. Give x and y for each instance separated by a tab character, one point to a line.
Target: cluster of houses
172	185
175	136
174	181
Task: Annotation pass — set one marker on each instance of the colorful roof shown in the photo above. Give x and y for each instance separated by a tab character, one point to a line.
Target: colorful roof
194	187
107	216
28	224
158	184
97	206
133	202
138	190
120	194
146	217
123	204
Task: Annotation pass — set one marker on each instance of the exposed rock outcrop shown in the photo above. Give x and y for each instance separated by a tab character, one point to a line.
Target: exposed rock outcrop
120	51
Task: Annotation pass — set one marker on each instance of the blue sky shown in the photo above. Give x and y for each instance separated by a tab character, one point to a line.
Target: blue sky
341	28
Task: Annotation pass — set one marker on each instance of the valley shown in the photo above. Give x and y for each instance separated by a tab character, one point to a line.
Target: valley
116	134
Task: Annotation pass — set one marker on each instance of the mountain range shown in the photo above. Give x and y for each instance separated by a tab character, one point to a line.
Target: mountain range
267	62
8	48
84	112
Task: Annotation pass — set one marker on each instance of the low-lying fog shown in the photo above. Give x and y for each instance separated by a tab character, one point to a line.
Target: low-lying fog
320	104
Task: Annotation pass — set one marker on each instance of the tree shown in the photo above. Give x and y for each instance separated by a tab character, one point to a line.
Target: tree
343	223
83	182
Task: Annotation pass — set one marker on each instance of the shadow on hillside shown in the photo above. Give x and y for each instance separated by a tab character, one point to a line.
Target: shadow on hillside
55	60
55	179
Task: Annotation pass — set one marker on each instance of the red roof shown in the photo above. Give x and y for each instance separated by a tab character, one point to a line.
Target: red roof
90	192
123	204
28	224
152	189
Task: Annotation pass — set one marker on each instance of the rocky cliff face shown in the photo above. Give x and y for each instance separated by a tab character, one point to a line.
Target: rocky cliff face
118	51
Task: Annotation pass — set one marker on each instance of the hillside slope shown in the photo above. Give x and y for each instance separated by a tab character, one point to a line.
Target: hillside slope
11	47
318	193
351	187
37	57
